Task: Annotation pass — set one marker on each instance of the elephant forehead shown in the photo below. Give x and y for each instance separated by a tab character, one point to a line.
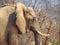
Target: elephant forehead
31	12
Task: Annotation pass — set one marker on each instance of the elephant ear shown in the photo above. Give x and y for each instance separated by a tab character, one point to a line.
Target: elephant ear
20	20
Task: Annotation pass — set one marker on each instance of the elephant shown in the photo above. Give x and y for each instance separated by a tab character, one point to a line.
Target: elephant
15	20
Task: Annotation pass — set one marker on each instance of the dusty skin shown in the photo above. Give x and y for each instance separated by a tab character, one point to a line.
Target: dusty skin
8	29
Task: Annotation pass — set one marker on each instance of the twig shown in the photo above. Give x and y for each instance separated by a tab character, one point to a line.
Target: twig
48	33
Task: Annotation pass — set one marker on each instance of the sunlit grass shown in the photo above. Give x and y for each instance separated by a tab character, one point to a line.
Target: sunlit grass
53	42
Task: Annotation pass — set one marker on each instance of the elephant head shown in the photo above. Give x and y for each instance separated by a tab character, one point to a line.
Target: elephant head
26	18
32	21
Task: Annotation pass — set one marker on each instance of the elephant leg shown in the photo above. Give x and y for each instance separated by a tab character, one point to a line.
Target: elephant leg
13	37
13	40
3	38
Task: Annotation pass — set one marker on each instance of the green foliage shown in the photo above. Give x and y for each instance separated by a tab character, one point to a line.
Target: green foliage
53	42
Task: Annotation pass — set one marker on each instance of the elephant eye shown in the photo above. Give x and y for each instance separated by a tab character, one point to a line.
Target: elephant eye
28	12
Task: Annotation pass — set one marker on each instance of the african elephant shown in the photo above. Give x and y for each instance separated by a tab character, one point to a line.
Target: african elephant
8	27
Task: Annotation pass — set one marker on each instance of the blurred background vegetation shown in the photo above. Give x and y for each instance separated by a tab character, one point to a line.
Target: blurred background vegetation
48	14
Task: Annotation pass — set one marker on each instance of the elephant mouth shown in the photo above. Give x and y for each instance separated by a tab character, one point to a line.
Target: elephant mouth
34	26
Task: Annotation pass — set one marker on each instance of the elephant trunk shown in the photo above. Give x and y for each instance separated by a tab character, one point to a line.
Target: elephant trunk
37	33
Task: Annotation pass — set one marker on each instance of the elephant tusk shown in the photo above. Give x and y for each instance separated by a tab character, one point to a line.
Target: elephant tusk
43	34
